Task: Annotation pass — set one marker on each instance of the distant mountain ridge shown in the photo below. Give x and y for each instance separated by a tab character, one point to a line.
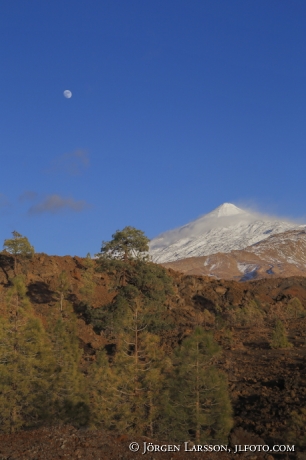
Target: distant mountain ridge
225	229
279	255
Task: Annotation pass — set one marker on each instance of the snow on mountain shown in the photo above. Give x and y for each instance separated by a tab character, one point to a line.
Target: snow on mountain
225	210
224	229
279	255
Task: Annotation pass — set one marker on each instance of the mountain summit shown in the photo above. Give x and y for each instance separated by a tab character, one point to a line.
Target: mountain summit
224	229
226	209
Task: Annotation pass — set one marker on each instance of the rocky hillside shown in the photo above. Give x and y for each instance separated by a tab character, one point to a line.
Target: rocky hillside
267	386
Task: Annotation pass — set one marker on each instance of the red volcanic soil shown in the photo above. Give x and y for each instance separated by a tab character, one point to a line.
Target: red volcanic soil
266	385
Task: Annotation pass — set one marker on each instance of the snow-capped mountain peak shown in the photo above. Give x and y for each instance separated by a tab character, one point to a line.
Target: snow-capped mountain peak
224	229
226	209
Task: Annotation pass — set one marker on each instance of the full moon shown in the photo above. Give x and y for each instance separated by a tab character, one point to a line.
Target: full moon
67	93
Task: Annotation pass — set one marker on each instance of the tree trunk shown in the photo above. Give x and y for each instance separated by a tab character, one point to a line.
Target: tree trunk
198	427
150	416
136	352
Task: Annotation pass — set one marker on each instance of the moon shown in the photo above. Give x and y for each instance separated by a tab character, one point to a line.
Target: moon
67	93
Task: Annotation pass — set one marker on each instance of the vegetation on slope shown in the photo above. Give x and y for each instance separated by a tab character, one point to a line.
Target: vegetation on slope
135	386
106	347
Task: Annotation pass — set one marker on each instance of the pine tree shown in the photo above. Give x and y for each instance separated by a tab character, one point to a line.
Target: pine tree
126	246
296	433
104	398
142	300
128	395
154	383
19	246
67	396
24	361
279	336
294	308
199	401
141	287
137	365
137	313
62	287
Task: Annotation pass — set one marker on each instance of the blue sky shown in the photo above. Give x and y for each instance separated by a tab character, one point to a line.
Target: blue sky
177	107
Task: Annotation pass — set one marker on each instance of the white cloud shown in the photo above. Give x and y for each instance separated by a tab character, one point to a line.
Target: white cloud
55	203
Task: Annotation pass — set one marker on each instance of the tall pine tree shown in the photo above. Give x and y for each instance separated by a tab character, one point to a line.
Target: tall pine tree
199	404
20	247
128	394
133	319
67	394
24	361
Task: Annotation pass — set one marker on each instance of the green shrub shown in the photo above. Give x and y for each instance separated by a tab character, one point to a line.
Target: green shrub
294	308
279	336
249	315
296	431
